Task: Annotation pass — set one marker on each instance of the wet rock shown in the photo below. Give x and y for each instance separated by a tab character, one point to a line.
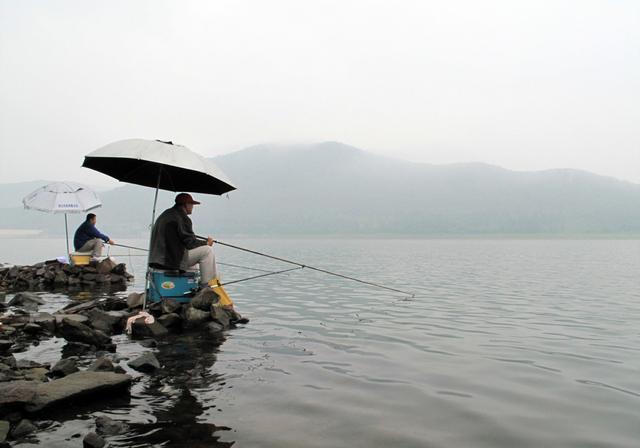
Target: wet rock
145	363
74	317
5	345
5	426
135	300
27	300
194	317
169	306
105	266
109	427
9	361
32	328
79	384
101	364
35	374
44	320
204	299
139	329
25	427
120	269
93	440
170	321
64	367
221	316
115	303
7	330
108	322
78	332
214	327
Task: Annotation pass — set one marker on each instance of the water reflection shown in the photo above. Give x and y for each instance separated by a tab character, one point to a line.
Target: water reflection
187	362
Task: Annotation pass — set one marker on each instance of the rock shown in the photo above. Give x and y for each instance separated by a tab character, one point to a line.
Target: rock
22	429
109	427
77	332
169	306
34	396
5	345
74	317
101	364
139	329
214	327
4	430
93	440
45	320
105	266
60	279
27	300
204	299
15	395
194	317
220	315
32	328
145	363
115	303
170	321
7	330
135	300
35	374
64	367
107	322
9	361
120	269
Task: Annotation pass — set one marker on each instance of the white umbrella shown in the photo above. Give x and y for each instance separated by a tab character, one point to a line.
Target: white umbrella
62	197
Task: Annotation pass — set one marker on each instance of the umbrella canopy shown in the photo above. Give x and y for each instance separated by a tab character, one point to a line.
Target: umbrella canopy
62	197
153	163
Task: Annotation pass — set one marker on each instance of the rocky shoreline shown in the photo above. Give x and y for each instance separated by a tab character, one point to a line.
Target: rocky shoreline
31	392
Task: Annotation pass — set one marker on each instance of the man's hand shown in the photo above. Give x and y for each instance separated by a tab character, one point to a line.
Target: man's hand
111	242
209	241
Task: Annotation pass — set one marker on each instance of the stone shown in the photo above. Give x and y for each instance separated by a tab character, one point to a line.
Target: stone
101	364
77	332
170	321
32	328
5	345
74	317
26	300
204	299
140	329
214	327
220	315
5	426
35	374
79	384
64	367
194	317
105	266
44	320
145	363
120	269
107	426
107	322
169	306
93	440
25	427
135	300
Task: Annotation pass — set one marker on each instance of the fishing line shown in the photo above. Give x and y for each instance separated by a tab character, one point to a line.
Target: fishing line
302	265
260	276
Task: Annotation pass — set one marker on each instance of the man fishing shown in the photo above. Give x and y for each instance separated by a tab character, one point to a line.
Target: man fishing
174	245
89	239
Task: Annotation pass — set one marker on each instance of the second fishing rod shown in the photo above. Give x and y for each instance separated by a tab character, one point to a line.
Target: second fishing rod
305	266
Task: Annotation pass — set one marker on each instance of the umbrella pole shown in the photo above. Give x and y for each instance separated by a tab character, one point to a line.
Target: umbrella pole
66	234
153	218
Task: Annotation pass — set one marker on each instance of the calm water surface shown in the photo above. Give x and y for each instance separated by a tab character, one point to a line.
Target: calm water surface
507	343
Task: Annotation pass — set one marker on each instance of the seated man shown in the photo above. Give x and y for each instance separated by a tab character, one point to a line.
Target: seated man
89	239
175	246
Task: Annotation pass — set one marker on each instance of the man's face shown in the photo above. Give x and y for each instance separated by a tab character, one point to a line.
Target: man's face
188	208
94	220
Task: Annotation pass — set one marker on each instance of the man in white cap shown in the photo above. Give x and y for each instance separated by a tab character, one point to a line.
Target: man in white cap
175	246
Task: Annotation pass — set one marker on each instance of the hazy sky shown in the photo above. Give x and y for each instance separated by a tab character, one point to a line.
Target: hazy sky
526	85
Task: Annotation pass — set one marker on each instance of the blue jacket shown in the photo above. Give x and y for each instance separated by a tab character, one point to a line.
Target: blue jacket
86	232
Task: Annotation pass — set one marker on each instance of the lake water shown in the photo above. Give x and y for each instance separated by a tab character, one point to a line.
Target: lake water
507	343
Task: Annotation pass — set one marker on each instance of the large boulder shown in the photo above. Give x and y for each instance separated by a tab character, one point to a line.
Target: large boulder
194	317
27	300
140	329
135	300
64	367
204	299
77	332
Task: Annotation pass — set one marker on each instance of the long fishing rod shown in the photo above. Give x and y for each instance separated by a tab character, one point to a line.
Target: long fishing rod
302	265
260	276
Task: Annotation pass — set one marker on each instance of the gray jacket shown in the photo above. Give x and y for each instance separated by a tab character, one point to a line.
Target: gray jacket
172	235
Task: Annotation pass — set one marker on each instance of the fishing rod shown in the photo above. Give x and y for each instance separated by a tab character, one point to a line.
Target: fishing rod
260	276
303	266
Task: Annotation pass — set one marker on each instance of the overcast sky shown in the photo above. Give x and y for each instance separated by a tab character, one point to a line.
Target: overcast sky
526	85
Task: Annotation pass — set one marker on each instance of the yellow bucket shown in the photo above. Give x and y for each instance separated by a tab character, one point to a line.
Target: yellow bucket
79	259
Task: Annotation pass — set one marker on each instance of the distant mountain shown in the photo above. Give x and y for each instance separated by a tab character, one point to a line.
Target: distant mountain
332	188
